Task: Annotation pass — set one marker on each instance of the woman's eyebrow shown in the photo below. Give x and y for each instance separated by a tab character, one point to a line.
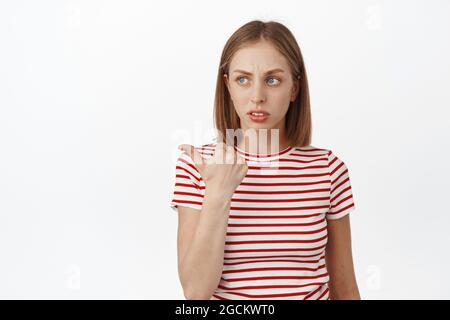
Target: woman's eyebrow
265	73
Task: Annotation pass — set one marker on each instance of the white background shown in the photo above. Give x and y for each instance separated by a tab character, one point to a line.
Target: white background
95	96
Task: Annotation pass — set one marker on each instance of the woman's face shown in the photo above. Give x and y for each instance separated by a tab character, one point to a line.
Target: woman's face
260	80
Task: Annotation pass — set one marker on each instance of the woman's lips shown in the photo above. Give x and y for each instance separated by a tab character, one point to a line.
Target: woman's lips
258	118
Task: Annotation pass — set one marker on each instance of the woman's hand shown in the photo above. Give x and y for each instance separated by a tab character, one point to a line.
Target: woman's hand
223	172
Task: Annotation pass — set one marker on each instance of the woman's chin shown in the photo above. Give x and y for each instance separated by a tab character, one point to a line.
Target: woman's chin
257	126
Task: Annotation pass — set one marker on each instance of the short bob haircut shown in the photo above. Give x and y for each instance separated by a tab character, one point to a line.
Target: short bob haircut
298	117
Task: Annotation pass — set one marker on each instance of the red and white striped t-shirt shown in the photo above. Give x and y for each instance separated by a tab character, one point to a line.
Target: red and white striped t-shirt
277	225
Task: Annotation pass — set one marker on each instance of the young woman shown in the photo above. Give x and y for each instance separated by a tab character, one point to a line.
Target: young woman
258	224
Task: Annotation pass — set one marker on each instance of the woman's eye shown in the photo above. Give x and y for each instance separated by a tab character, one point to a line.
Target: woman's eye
273	83
239	78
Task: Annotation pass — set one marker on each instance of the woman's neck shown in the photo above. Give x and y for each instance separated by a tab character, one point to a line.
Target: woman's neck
263	141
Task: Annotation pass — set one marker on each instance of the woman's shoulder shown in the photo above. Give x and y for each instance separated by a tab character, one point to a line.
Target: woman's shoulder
313	149
334	157
330	154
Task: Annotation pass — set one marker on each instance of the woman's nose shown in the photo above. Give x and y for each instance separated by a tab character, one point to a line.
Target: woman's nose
258	94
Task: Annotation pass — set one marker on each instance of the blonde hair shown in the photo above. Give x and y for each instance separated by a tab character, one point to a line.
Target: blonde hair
298	117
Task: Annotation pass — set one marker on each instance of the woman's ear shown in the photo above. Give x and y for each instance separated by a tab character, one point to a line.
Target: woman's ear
225	79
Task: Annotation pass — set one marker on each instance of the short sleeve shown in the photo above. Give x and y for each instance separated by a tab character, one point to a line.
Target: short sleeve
341	195
188	190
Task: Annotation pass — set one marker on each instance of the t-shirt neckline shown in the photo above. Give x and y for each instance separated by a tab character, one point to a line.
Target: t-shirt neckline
264	157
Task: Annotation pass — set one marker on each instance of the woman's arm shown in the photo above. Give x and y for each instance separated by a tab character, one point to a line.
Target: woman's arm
201	242
339	261
201	234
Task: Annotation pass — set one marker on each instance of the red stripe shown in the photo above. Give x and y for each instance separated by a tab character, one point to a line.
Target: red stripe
257	296
193	185
270	260
187	171
306	155
275	232
182	176
300	161
275	249
276	176
334	187
280	208
277	256
275	224
189	164
340	194
262	168
277	184
275	241
273	269
188	194
281	191
312	293
341	210
275	260
276	278
341	201
324	293
337	167
280	200
187	202
234	216
334	158
311	149
271	286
